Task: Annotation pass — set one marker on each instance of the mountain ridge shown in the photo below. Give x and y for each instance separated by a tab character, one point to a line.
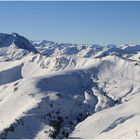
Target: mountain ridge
68	90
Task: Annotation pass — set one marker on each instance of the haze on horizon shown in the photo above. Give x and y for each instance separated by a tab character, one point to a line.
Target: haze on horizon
73	22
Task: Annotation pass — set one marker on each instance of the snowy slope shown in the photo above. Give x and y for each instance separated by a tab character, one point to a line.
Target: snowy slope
119	79
60	90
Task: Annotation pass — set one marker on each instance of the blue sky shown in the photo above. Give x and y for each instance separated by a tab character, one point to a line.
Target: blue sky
81	22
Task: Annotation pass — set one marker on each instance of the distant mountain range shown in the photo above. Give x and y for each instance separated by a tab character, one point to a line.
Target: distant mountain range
63	90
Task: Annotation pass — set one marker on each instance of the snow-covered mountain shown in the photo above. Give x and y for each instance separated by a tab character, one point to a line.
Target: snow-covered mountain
62	90
14	46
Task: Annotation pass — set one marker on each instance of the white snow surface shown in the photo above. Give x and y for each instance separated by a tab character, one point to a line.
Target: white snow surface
62	90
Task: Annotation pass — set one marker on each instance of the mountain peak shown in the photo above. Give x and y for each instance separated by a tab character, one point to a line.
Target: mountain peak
15	34
6	40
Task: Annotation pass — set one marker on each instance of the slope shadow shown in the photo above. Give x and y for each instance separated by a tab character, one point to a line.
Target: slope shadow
11	75
70	84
